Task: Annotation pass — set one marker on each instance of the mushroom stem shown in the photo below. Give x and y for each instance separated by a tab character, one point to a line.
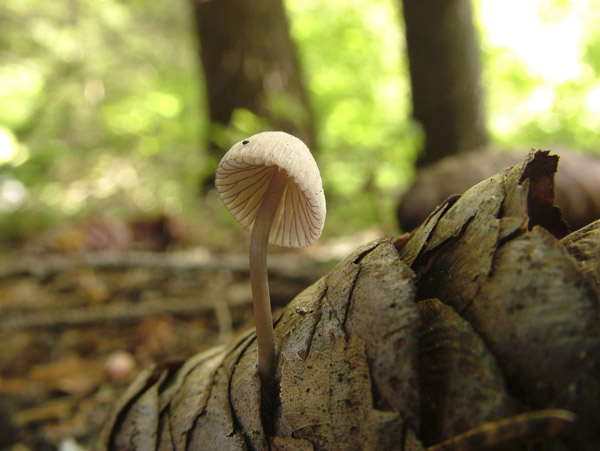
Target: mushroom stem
258	273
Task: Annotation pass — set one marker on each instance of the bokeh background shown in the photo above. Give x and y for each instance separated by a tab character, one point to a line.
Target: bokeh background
104	105
115	113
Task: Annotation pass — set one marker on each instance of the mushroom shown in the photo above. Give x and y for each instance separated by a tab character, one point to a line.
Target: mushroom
271	184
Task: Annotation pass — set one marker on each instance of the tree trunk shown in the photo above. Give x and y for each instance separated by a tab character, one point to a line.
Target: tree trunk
445	76
250	62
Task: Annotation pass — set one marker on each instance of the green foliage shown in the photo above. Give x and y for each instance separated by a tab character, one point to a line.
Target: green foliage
100	109
542	70
102	106
352	55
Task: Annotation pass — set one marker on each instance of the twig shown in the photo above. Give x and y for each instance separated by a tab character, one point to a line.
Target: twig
45	265
103	314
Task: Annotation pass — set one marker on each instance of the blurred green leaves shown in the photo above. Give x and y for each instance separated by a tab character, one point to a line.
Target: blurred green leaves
541	70
102	105
352	55
100	109
20	88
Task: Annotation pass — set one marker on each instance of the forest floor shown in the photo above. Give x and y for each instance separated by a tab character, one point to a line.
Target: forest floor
76	328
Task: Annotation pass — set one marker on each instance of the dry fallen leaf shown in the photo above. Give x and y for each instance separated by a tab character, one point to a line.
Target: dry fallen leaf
327	400
492	257
583	246
461	383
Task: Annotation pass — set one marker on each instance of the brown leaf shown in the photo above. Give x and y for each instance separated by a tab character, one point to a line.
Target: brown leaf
577	184
216	426
120	426
326	399
540	318
489	258
188	395
461	384
290	444
71	374
584	246
370	294
138	428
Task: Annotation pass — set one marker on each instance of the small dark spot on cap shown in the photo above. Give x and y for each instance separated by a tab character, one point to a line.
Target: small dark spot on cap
245	141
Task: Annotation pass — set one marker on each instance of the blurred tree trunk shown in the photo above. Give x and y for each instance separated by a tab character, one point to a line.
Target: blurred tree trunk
444	62
250	62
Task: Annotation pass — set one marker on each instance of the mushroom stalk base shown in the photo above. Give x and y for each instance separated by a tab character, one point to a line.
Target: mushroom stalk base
258	274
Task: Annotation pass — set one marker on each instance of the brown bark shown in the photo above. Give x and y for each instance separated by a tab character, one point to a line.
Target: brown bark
250	62
445	76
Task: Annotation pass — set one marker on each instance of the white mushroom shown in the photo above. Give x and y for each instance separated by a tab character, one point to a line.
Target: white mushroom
271	184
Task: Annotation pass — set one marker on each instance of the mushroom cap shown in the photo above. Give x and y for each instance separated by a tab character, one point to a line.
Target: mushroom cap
243	176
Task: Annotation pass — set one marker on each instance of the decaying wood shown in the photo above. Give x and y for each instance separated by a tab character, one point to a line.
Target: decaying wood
479	329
